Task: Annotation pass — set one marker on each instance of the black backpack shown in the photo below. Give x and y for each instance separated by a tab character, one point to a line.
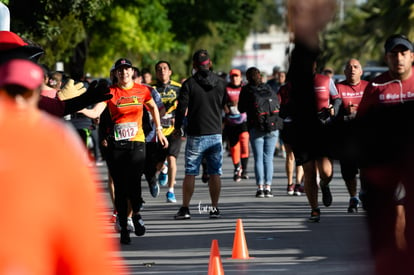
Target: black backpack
267	109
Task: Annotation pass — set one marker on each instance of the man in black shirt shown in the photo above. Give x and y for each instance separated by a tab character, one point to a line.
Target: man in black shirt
202	97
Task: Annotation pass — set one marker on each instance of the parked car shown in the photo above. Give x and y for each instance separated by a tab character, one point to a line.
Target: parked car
338	77
372	71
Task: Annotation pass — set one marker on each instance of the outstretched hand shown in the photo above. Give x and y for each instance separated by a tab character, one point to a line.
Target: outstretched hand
71	90
97	91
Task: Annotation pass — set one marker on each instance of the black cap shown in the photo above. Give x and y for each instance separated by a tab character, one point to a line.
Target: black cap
122	62
396	40
201	58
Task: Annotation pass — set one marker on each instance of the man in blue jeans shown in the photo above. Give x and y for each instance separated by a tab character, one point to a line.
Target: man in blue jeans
204	130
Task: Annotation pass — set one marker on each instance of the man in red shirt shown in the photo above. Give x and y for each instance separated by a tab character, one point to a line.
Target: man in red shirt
351	91
385	115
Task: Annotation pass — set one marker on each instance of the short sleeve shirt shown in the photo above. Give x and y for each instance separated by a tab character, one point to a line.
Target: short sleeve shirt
126	108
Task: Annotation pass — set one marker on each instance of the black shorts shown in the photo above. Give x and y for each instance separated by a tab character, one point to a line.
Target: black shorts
307	146
287	134
174	147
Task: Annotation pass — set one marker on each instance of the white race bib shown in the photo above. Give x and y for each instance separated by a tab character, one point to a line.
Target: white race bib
125	130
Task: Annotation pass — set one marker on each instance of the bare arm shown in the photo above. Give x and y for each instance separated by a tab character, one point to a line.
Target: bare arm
95	112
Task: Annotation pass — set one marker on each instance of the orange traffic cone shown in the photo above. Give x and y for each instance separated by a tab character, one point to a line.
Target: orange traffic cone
240	251
215	266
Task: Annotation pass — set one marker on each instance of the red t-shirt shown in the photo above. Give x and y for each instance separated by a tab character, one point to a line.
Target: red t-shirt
324	91
351	94
384	90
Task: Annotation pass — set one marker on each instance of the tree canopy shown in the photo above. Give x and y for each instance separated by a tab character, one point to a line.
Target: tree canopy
364	30
89	35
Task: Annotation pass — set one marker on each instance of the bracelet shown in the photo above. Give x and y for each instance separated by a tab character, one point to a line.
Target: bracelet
159	128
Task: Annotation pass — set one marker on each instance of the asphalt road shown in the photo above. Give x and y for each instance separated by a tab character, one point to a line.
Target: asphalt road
278	237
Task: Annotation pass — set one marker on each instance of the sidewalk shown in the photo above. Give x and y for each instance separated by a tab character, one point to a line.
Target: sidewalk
279	238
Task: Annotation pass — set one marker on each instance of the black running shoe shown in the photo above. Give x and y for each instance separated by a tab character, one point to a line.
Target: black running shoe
326	195
260	193
138	224
183	214
315	215
125	239
268	193
237	174
353	205
215	213
245	175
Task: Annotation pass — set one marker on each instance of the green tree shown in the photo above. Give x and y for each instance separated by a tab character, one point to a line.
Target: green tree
59	26
363	32
169	30
134	29
220	26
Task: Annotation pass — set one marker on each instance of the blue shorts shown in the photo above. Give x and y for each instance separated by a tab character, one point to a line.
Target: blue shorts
199	147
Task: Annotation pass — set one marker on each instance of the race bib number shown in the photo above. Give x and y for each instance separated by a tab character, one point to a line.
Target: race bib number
166	121
126	130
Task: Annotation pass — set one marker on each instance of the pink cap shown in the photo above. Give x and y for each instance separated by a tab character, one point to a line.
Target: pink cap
21	72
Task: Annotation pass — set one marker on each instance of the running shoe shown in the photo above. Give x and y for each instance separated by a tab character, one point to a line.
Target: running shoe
183	214
326	194
315	215
245	175
268	193
154	189
237	174
291	189
353	205
298	190
260	193
125	238
171	197
215	213
130	225
163	178
138	224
